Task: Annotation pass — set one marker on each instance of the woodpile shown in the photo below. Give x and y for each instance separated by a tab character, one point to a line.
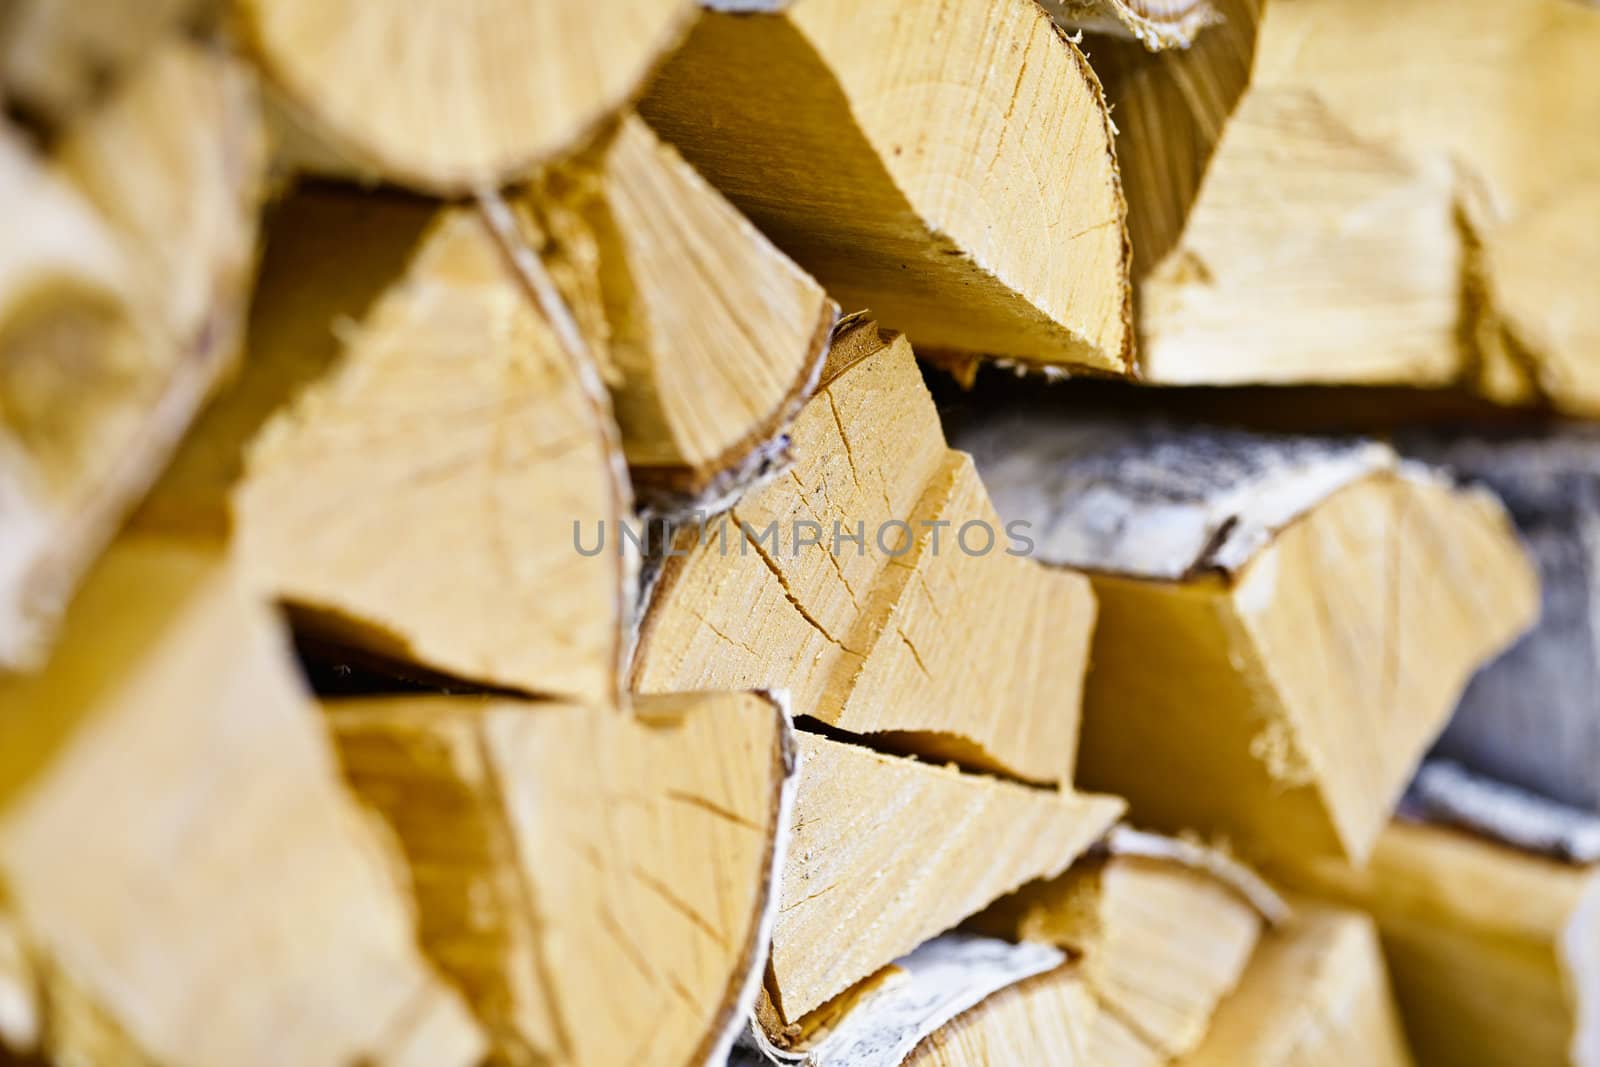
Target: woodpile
576	534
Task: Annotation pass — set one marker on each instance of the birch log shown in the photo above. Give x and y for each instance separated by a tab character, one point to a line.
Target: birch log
123	303
188	879
1529	717
876	584
961	185
1285	623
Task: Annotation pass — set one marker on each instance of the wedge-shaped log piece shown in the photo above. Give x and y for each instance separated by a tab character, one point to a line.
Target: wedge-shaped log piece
55	56
875	583
1161	941
1529	717
713	338
121	306
190	878
1315	995
416	497
961	186
1494	951
1045	1021
570	867
882	859
454	94
1285	623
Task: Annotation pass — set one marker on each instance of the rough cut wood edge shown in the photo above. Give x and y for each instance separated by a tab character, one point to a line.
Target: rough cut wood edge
1492	950
526	918
1316	995
880	861
891	207
1529	717
523	84
1156	24
168	171
689	309
871	641
921	992
237	909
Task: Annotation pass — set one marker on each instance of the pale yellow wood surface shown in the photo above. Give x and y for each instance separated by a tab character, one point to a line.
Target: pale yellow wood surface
1493	951
1161	943
190	877
1284	710
1315	995
713	337
447	95
977	658
570	867
123	303
1155	24
1044	1021
418	499
959	183
882	858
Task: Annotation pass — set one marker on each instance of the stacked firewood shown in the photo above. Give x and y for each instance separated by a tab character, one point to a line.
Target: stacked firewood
485	577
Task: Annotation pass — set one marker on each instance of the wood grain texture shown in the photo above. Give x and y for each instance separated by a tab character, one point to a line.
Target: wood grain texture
482	92
712	337
946	163
1155	24
569	866
1045	1021
1285	703
190	880
1529	717
881	636
1493	951
1315	995
881	860
124	305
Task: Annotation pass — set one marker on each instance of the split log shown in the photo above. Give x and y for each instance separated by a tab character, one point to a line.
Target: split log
882	859
570	867
1043	1021
457	96
1285	623
123	302
57	55
1162	939
1155	24
1529	717
1493	949
1319	201
189	880
961	186
712	337
1315	995
871	580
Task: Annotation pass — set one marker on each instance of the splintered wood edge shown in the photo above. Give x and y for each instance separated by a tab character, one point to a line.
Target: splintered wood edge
933	984
763	452
1156	24
1447	794
1245	883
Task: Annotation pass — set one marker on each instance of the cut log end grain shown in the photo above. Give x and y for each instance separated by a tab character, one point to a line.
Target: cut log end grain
1343	609
712	337
923	631
1493	950
881	860
1160	943
173	826
122	305
1315	995
971	202
480	92
1043	1021
568	867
